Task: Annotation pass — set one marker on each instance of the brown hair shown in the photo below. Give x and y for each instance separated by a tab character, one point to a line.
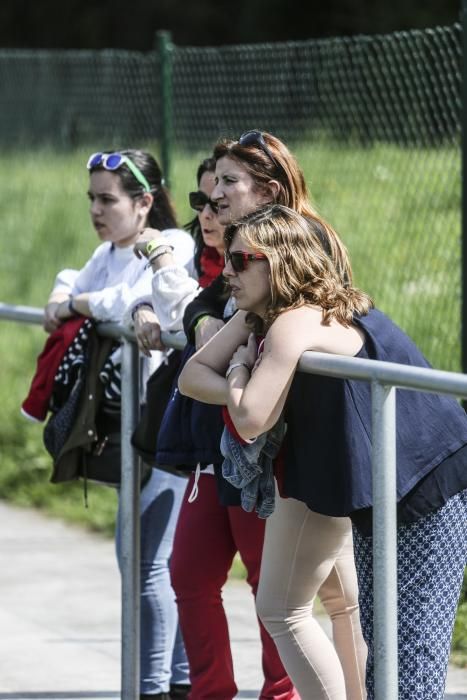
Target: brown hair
293	191
282	166
302	272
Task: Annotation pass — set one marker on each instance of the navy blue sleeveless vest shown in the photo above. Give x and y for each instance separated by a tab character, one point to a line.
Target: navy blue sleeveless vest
328	442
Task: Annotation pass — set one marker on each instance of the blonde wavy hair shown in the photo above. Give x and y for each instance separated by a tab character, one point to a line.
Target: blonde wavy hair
302	270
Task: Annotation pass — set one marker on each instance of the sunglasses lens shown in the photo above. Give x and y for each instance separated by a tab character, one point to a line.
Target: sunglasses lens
251	137
256	138
237	261
94	160
113	161
198	201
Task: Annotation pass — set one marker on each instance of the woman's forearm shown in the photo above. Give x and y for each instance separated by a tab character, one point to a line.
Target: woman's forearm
81	304
203	384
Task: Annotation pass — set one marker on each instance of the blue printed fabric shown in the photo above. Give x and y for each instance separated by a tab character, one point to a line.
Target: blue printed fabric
249	467
431	556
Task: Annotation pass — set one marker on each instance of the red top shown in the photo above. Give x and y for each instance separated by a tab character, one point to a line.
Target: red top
36	403
212	265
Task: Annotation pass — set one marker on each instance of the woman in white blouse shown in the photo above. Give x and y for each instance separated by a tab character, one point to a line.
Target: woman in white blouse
127	194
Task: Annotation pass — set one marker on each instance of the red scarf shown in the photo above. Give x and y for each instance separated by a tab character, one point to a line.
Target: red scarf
212	265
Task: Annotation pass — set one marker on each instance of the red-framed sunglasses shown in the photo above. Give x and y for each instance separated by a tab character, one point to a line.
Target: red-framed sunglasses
239	259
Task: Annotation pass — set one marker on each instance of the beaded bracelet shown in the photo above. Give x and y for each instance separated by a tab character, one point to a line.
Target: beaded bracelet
161	249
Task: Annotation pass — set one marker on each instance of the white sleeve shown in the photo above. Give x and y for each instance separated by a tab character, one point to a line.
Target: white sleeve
65	281
127	319
184	248
111	303
172	291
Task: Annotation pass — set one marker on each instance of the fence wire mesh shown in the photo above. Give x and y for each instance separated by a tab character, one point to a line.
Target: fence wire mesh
374	121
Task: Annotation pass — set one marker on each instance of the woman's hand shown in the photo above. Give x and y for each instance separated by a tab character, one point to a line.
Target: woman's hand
246	354
63	312
51	321
206	329
147	330
146	235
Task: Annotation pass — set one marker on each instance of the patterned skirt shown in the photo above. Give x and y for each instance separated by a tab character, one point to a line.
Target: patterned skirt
431	557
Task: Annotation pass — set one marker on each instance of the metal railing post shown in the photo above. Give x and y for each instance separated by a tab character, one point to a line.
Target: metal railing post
384	541
165	49
130	525
384	377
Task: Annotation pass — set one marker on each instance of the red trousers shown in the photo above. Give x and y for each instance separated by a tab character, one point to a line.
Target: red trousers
207	537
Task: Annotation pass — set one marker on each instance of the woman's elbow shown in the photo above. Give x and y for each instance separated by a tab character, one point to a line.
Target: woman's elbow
248	427
185	381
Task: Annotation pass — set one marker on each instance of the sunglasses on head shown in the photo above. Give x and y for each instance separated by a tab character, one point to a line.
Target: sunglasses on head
114	161
239	259
256	138
198	201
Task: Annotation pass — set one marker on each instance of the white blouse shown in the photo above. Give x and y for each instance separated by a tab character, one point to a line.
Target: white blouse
115	278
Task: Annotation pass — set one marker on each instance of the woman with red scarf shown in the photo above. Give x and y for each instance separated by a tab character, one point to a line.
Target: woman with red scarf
172	287
210	529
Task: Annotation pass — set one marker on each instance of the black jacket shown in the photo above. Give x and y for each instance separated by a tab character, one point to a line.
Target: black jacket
210	302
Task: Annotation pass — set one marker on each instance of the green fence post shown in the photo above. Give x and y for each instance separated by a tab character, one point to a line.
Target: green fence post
464	191
165	49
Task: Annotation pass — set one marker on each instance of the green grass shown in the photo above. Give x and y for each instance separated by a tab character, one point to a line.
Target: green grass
398	211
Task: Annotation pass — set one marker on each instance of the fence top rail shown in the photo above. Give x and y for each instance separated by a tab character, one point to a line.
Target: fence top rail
389	373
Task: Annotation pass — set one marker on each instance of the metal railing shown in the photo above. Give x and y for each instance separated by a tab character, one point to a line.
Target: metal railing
385	377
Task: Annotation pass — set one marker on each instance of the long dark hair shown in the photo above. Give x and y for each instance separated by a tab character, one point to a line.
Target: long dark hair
162	213
208	165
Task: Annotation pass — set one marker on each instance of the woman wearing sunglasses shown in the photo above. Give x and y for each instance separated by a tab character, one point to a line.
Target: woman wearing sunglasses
289	289
254	171
126	193
212	527
172	286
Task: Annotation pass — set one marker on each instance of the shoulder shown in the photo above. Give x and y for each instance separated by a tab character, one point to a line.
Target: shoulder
292	332
297	323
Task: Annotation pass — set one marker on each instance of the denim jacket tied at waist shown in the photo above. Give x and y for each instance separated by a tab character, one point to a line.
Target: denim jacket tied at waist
249	467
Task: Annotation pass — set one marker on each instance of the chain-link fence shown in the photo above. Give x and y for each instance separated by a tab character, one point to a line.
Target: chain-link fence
374	122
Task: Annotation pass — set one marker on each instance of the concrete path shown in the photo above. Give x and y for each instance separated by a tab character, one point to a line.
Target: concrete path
60	616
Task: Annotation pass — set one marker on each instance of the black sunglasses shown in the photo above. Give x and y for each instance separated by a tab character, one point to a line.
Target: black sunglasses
198	201
256	138
239	259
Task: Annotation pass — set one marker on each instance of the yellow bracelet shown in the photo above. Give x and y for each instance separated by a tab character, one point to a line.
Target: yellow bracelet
201	318
151	246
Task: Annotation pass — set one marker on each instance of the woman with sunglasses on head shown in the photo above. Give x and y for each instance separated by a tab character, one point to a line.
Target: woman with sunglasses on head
256	170
211	527
126	194
289	289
